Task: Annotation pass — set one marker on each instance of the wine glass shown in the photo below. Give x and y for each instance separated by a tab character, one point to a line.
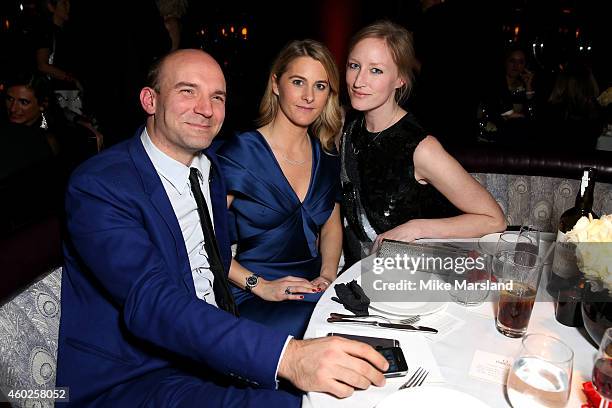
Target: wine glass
541	375
602	371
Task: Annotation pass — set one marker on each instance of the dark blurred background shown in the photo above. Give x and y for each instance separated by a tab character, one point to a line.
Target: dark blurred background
460	44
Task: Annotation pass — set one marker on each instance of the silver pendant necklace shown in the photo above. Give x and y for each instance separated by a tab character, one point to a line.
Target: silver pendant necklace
287	159
375	137
293	162
383	129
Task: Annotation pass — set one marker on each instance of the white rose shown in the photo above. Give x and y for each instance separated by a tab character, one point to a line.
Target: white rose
579	232
590	230
594	247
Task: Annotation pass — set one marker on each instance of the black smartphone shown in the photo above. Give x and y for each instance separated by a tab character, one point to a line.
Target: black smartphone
398	366
376	342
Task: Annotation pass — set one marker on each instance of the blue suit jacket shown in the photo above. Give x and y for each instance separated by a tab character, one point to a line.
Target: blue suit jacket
129	308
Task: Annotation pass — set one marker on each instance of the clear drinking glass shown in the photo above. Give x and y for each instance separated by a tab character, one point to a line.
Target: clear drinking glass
541	375
509	240
520	273
527	239
533	235
602	370
469	288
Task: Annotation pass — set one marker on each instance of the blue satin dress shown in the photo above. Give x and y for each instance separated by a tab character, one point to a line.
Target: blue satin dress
277	235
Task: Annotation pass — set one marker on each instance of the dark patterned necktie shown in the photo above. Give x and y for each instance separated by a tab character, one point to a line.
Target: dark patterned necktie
223	295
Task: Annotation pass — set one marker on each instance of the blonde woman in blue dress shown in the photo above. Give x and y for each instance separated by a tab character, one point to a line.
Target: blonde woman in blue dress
283	186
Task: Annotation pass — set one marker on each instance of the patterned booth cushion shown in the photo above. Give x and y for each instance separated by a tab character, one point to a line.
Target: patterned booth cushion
538	200
29	325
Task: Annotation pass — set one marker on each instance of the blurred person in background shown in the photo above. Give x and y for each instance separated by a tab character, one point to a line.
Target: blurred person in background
572	115
27	156
30	103
172	11
510	102
54	47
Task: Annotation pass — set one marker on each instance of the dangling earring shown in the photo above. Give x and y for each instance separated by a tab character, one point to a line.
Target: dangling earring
43	123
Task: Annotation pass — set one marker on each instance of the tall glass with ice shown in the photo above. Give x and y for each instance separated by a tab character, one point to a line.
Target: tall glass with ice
519	273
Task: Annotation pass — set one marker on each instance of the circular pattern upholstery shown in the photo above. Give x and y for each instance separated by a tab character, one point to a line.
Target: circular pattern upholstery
47	305
538	200
565	189
520	186
29	325
42	365
542	211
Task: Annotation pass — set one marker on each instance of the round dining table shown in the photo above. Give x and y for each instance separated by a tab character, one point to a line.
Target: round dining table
468	354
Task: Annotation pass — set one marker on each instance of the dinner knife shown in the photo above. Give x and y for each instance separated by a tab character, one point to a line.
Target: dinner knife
406	320
341	316
397	326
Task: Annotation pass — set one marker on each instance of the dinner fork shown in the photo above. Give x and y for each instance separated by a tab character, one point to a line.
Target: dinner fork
416	379
408	320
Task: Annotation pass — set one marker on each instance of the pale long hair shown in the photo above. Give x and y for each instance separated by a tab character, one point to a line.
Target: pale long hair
400	44
576	91
328	124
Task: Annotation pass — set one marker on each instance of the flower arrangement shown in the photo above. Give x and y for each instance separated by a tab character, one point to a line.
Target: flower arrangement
593	240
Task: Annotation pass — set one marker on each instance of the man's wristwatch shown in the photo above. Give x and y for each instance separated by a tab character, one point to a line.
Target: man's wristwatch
251	282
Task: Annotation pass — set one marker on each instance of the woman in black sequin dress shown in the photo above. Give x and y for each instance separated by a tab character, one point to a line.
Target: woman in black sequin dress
398	182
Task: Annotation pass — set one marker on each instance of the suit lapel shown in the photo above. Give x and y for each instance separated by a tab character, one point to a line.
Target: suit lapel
157	194
218	198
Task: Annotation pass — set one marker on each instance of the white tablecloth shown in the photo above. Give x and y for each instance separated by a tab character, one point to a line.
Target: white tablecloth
453	353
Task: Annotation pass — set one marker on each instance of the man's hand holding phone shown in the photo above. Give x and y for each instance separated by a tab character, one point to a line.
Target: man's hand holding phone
398	366
332	364
388	348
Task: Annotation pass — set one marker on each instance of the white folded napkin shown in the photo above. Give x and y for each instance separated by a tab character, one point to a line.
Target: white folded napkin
416	350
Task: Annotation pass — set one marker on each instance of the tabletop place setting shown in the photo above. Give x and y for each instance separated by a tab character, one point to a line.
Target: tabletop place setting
484	333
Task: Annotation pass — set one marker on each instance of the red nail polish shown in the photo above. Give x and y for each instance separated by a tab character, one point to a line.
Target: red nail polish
315	290
319	289
301	297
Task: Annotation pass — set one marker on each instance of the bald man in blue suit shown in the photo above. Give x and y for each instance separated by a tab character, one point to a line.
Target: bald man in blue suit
140	324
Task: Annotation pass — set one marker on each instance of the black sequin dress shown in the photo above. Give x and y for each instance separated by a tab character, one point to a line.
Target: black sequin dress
378	184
